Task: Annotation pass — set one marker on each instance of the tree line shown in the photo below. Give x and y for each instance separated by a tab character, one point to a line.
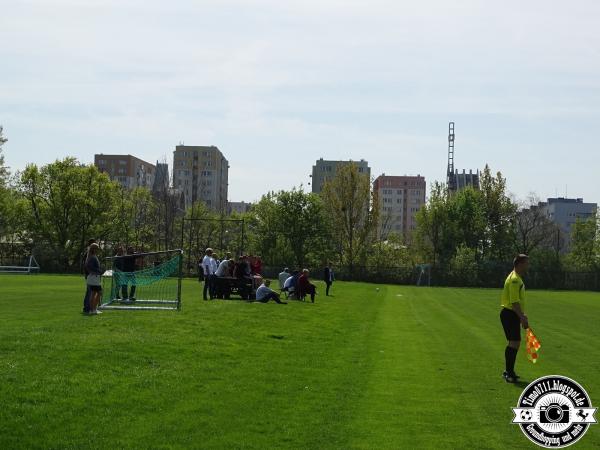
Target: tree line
54	209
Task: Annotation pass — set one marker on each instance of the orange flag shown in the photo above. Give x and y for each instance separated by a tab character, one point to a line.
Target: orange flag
533	346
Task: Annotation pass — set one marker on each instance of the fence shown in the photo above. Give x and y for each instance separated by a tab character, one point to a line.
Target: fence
486	276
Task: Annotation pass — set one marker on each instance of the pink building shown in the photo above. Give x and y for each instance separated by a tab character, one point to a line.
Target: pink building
400	197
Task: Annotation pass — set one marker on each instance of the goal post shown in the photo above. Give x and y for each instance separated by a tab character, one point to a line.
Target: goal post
29	266
423	274
143	281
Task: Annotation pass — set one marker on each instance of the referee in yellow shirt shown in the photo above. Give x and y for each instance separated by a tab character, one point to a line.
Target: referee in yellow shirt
513	314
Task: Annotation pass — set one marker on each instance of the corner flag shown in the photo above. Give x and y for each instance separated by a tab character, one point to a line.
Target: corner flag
533	345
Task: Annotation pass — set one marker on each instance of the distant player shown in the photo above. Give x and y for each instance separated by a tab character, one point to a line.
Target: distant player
513	314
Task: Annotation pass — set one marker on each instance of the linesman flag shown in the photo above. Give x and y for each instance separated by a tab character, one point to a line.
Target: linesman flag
533	346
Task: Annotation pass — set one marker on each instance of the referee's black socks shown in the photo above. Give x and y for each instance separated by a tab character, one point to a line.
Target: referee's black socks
510	355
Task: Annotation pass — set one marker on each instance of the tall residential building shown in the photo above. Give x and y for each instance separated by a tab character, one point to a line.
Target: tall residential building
128	170
400	197
325	170
201	173
565	211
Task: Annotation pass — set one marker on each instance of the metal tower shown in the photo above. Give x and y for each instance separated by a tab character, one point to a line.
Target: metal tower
451	177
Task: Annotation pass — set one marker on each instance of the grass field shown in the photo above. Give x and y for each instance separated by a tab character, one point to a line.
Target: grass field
402	367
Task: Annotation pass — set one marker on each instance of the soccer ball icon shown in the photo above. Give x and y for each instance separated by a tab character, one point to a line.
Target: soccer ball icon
526	415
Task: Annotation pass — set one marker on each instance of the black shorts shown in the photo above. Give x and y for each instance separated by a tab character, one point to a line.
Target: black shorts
511	324
95	288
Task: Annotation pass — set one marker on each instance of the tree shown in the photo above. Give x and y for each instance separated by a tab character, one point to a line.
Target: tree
434	235
353	212
135	214
467	213
500	213
585	244
263	231
5	201
290	225
301	220
67	203
533	229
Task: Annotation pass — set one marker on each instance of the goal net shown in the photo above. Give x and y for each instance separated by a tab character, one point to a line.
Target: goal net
423	274
143	281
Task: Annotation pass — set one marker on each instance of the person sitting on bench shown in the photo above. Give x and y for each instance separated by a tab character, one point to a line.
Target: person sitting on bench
306	287
223	270
282	277
290	285
264	293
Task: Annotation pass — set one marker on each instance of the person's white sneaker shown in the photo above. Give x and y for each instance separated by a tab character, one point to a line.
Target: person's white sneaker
98	312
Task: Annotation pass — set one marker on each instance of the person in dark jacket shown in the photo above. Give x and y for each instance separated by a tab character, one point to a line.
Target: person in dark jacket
86	298
94	278
328	277
129	266
306	287
118	265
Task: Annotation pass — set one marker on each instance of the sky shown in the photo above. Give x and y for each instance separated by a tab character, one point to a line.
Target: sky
277	84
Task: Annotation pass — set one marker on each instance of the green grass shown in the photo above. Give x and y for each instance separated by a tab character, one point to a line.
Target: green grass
404	367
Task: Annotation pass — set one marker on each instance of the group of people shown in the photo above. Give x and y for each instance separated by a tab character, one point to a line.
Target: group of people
297	284
210	268
125	261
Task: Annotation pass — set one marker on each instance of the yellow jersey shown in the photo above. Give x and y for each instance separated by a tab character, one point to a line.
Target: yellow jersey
514	291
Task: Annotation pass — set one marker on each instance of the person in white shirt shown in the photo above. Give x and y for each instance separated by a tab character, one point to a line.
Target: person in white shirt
209	265
223	270
264	293
282	277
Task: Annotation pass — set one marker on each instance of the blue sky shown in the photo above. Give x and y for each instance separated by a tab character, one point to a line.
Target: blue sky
278	84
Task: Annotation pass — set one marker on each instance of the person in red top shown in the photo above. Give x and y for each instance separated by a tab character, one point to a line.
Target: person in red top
306	287
257	265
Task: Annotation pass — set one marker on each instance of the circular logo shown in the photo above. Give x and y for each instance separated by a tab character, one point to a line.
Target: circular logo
554	411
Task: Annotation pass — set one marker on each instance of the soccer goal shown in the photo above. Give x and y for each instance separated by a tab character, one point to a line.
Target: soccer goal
28	266
143	281
424	275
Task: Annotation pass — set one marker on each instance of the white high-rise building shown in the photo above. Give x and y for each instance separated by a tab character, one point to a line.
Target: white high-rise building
201	174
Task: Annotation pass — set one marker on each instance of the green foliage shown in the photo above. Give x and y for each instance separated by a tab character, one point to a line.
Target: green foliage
464	262
468	215
290	226
500	215
391	252
481	220
4	173
67	203
135	213
585	245
434	235
353	212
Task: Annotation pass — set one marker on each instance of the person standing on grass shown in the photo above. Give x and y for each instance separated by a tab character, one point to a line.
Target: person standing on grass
264	293
209	266
513	315
118	265
328	277
94	278
86	297
129	263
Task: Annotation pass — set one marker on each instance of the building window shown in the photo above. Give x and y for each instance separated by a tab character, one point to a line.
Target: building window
122	162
